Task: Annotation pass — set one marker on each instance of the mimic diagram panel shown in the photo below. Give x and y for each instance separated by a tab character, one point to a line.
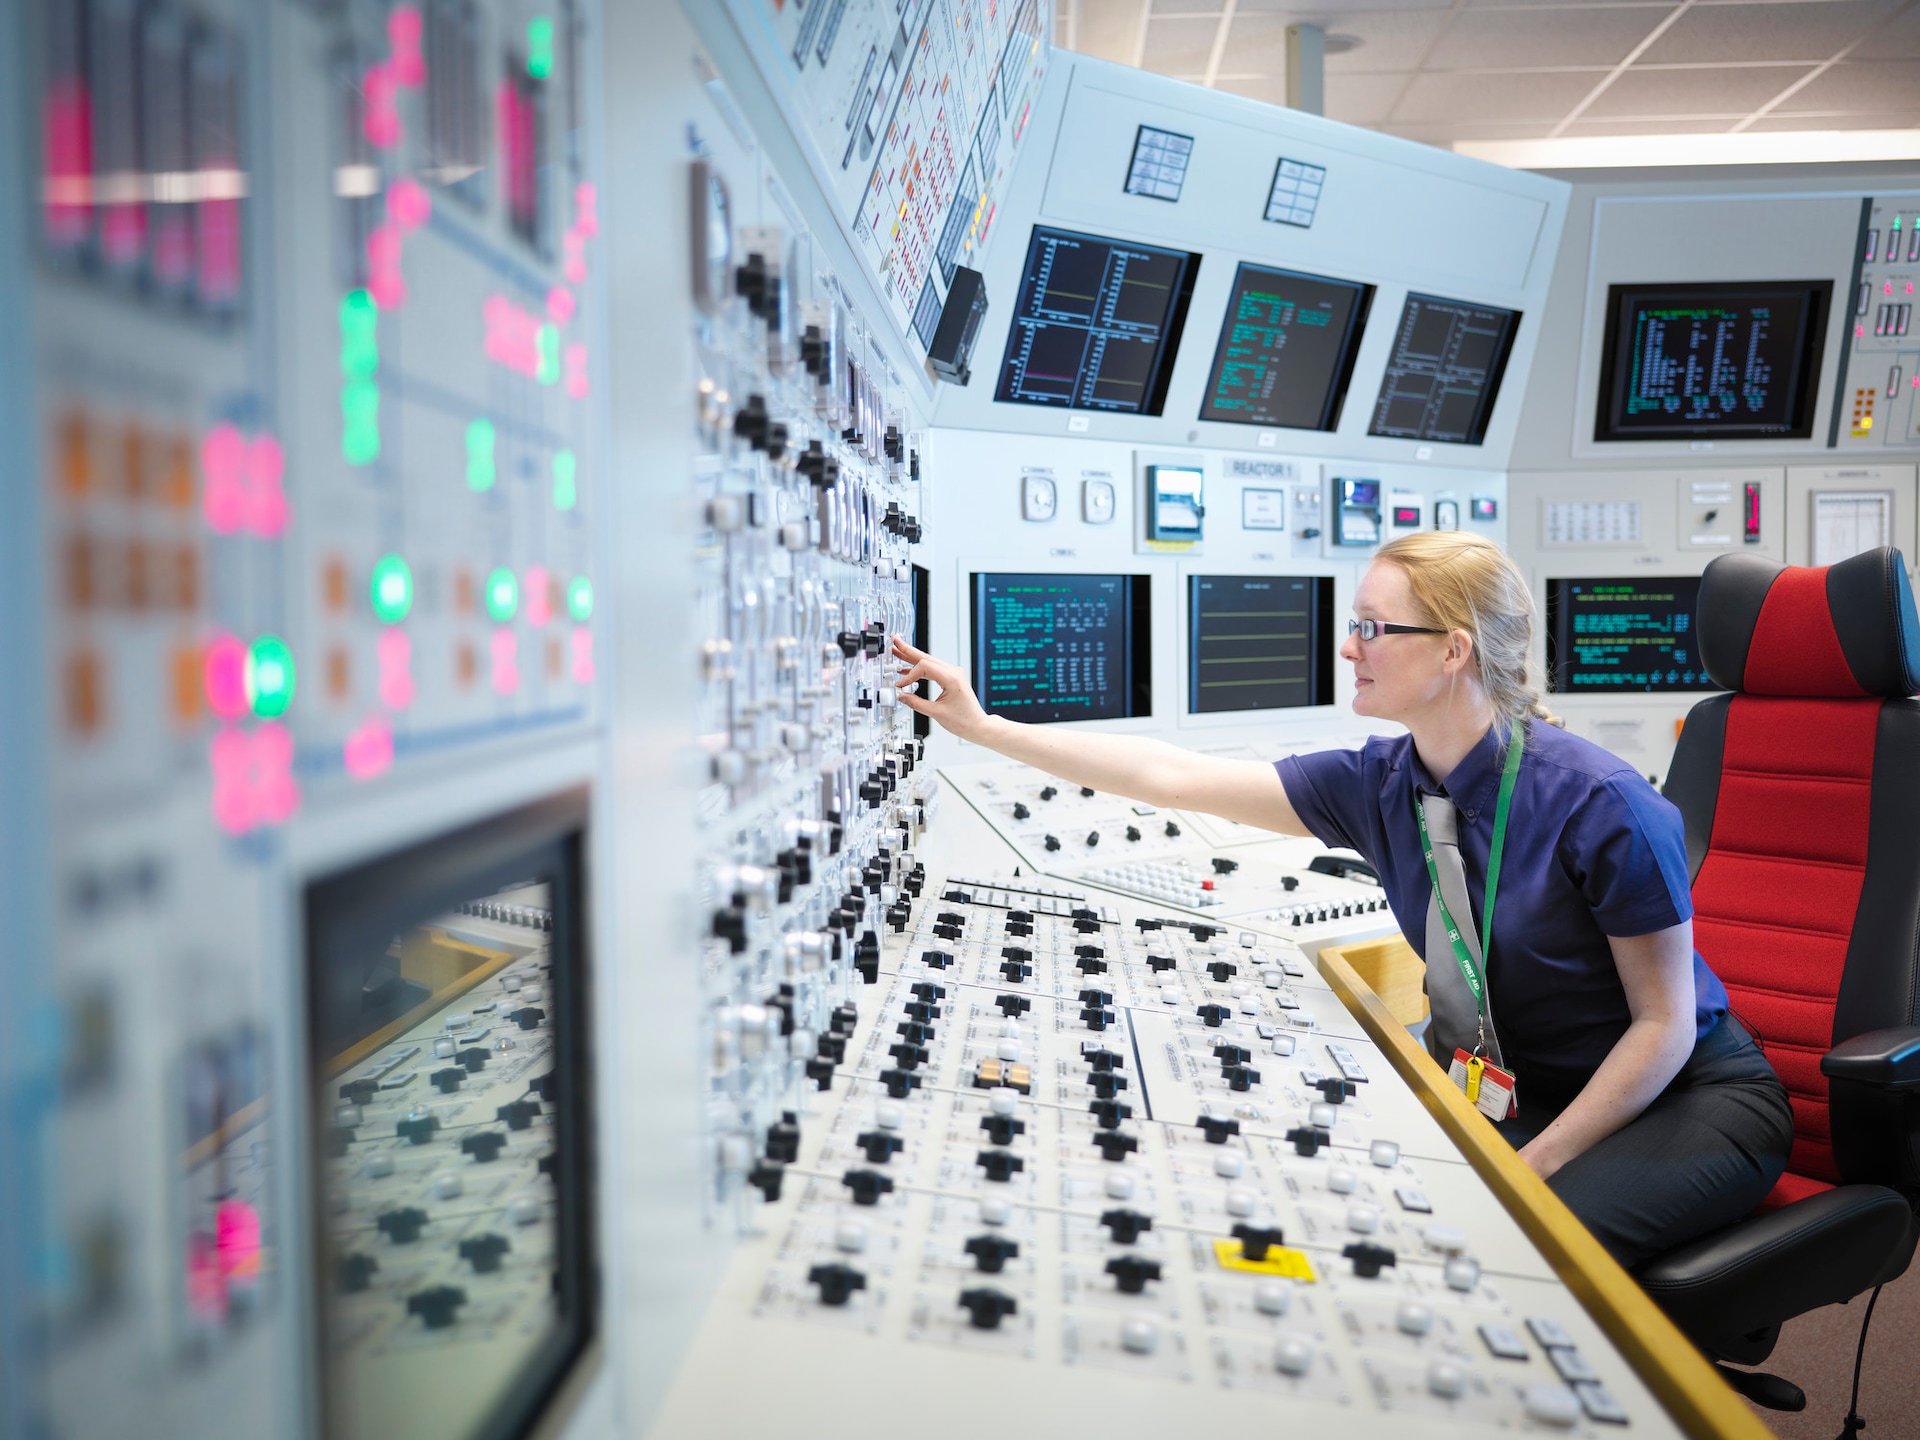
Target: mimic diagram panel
1875	396
914	112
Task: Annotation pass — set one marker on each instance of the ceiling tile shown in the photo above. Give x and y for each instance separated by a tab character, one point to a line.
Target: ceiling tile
1541	96
1851	86
1362	99
1389	39
1109	29
1645	94
1508	39
1784	30
1335	16
1906	119
1899	41
1270	88
1716	126
1179	46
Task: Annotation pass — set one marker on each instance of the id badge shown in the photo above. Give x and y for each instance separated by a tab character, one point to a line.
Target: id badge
1487	1086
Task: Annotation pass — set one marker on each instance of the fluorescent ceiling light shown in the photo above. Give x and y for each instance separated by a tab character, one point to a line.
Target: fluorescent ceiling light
1780	147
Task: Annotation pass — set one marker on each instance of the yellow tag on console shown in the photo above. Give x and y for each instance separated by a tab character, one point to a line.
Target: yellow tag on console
1289	1264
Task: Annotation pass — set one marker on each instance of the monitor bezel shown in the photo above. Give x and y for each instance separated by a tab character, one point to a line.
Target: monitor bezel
1496	372
1333	402
1139	635
1551	602
1320	686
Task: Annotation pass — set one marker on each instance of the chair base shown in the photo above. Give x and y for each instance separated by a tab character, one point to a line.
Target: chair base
1768	1391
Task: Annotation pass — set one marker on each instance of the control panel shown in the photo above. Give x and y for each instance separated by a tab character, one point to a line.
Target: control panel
1880	351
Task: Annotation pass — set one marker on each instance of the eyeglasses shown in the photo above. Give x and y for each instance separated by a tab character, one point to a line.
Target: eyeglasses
1372	629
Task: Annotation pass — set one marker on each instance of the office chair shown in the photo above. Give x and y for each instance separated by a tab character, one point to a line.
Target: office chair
1801	795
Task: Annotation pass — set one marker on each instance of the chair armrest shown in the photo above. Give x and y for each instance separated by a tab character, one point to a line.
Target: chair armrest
1888	1058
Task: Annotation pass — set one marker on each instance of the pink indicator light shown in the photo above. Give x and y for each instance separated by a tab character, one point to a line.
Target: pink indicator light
582	641
275	794
253	780
586	217
403	34
574	245
384	281
231	756
369	750
560	304
206	1291
409	205
266	501
236	1241
67	161
1889	289
1858	331
535	585
381	122
506	661
396	675
223	461
513	335
224	675
577	370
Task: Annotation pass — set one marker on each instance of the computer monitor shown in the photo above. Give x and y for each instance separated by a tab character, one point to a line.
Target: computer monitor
446	1044
1286	349
1444	370
1258	642
1063	647
1096	324
1624	634
1729	361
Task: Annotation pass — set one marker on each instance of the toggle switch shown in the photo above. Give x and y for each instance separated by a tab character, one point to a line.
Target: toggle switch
1115	1145
1214	1015
987	1308
1132	1272
436	1307
483	1252
867	1185
879	1146
1109	1113
991	1252
1002	1128
1105	1083
1368	1259
837	1282
1256	1240
1000	1165
1012	1005
484	1146
402	1226
1126	1226
899	1082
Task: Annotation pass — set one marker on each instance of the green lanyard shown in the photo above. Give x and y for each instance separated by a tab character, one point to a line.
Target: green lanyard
1462	955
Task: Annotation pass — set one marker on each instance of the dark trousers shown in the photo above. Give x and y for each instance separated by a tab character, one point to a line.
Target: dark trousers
1701	1156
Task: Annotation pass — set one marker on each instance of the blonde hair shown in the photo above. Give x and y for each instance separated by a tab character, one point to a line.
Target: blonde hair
1462	581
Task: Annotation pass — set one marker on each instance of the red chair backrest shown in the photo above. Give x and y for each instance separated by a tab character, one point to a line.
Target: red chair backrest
1806	885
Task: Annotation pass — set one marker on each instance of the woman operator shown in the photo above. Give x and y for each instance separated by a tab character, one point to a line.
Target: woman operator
1640	1099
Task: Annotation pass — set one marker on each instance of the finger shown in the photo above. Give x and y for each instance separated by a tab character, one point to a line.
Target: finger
906	651
915	703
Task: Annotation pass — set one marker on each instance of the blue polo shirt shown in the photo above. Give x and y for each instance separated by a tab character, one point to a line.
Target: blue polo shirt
1592	850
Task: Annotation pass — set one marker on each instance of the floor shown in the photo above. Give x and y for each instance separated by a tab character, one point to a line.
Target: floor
1816	1353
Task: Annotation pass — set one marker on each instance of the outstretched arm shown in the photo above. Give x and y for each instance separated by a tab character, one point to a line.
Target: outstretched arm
1134	766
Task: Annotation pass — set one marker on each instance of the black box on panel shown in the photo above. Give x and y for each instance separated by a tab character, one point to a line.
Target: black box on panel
951	353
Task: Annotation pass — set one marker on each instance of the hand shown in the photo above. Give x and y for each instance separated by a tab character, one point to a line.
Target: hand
954	707
1540	1157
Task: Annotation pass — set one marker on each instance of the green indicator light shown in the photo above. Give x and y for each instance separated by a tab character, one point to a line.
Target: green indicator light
269	677
565	469
503	595
540	48
360	422
480	456
392	589
549	371
359	336
580	597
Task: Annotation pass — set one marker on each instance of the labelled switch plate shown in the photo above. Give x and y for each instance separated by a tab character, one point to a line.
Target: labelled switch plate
1446	514
1263	509
1096	501
1038	497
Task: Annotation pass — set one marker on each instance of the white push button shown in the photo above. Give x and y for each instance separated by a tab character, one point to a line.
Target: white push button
1363	1219
1446	1380
1241	1201
1140	1335
1340	1180
1272	1297
995	1211
1228	1164
1119	1187
1413	1318
1463	1273
1553	1405
448	1185
1322	1116
379	1164
850	1236
889	1116
1447	1239
1293	1356
1001	1102
523	1209
1385	1154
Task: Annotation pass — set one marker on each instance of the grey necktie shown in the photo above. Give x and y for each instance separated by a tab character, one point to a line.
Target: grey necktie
1456	1022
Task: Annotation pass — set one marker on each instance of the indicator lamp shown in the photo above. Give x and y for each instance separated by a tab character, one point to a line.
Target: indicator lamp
270	677
540	47
480	472
503	594
547	370
580	597
392	588
565	490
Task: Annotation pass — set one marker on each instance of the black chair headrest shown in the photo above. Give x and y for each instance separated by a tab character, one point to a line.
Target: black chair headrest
1844	630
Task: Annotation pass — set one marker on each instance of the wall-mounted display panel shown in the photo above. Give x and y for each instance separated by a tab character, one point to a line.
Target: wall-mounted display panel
1050	647
1286	349
1623	634
1443	373
1736	361
1258	642
1096	323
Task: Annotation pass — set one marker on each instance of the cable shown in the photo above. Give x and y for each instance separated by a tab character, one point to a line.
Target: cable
1853	1424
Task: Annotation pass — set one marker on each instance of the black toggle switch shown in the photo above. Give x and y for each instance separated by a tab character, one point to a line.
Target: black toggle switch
1147	923
1015	971
1096	1019
766	1178
1214	1015
359	1092
1115	1145
783	1139
899	1082
946	932
1218	1129
957	897
1016	952
831	1046
1109	1112
484	1146
1012	1005
1096	997
1087	926
448	1080
1289	882
402	1226
922	1011
1256	1240
991	1252
354	1272
483	1252
988	1307
1018	931
436	1306
1047	792
730	925
1231	1055
1000	1165
1368	1258
1221	971
1093	837
528	1018
910	1057
1133	832
474	1057
1089	952
1334	1090
1105	1083
1024	917
880	1146
837	1282
520	1115
1307	1139
417	1131
948	917
1102	1059
927	991
1002	1128
1224	867
1126	1226
546	1086
1051	842
1021	812
1157	963
1086	792
914	1033
935	959
867	1185
1173	831
1239	1077
820	1071
1132	1272
1203	933
1088	965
